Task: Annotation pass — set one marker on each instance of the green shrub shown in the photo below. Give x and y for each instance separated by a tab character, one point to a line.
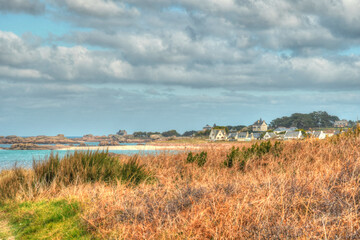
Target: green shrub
255	151
74	168
133	172
232	157
199	158
190	158
90	166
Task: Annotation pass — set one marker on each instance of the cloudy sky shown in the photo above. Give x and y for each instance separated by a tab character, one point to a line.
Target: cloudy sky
96	66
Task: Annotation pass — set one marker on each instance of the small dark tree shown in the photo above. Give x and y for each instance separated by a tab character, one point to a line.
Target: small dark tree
171	133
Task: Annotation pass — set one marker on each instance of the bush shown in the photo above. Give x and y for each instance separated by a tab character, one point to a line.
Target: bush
199	158
89	166
255	150
232	157
75	168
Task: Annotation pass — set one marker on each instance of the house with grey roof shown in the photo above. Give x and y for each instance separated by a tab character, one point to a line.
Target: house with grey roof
293	135
341	124
244	137
284	129
269	135
260	126
218	135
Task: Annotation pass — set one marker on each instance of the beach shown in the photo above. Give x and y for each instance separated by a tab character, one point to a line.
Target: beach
133	147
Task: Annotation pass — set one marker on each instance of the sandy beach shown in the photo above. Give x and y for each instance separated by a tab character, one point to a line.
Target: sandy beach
133	147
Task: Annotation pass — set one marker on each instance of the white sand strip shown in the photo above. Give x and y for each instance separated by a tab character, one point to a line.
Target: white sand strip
132	147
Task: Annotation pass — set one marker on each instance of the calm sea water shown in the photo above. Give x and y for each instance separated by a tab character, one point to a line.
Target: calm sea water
24	158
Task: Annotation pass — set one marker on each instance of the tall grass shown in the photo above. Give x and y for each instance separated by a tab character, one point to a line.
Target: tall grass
74	168
294	190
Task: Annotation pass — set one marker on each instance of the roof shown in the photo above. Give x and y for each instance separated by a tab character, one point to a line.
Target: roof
284	129
292	134
242	134
256	135
271	134
233	135
259	122
317	133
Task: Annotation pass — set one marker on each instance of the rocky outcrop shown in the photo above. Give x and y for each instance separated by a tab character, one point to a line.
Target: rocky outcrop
31	146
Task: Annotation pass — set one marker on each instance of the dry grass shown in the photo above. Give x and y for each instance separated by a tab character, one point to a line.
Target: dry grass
309	191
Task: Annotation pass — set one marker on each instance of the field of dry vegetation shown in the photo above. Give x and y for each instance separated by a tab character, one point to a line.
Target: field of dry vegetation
306	189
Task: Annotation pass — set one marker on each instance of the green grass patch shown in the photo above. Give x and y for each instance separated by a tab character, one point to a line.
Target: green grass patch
55	219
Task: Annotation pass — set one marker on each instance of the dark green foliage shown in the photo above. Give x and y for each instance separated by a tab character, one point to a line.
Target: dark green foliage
134	173
305	121
199	158
88	166
205	134
236	128
221	127
78	167
232	157
190	158
255	151
144	134
189	133
171	133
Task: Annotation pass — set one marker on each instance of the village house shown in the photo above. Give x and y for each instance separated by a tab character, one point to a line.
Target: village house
218	134
341	124
233	136
293	135
243	137
260	126
284	129
270	135
322	134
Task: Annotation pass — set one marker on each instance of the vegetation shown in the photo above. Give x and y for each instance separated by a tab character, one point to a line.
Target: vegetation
199	158
305	121
270	190
76	168
203	134
189	133
144	134
171	133
54	219
222	127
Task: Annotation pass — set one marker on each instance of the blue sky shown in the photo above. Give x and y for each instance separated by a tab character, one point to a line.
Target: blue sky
96	66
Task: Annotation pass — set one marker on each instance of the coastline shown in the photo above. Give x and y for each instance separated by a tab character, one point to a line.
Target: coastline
131	147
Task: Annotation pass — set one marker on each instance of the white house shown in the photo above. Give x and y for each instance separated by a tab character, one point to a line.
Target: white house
270	135
293	135
218	134
284	129
323	134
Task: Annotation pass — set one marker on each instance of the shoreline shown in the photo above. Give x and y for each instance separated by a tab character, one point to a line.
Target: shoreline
131	147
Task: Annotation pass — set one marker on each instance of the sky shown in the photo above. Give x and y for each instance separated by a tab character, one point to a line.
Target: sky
96	66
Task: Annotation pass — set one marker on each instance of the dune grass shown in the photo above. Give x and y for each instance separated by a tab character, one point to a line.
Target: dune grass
291	190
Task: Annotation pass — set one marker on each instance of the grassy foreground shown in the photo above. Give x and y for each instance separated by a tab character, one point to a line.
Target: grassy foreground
291	190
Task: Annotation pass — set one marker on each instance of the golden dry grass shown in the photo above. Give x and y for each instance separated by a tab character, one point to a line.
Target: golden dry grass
310	191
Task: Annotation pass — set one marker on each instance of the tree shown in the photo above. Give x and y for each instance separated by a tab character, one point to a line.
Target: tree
189	133
305	121
139	134
171	133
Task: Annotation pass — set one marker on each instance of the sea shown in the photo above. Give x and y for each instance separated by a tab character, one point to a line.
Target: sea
25	158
